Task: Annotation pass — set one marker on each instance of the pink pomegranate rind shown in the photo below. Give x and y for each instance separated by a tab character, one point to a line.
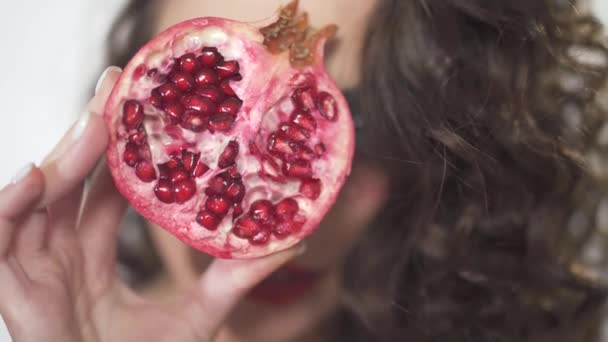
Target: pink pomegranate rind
286	136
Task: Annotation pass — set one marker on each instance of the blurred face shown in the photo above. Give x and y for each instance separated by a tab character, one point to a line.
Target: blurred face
291	303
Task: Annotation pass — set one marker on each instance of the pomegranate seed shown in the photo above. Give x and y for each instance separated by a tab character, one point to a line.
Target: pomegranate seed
152	72
262	210
233	173
174	163
279	144
178	175
132	113
207	220
138	138
231	105
212	93
155	99
304	120
210	57
189	63
145	171
327	106
169	92
261	238
164	191
205	77
174	111
226	88
287	208
227	69
320	149
285	228
199	104
131	154
270	168
220	123
139	72
245	227
189	159
183	81
228	157
301	151
184	190
297	168
237	211
235	192
303	98
294	132
217	186
218	205
311	188
200	169
194	122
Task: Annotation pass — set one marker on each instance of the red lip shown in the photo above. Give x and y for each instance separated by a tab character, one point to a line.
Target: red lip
285	285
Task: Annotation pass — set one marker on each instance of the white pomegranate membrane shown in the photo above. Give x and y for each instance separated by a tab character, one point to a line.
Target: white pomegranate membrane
231	137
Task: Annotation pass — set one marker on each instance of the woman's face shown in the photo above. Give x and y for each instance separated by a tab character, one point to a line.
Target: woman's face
298	296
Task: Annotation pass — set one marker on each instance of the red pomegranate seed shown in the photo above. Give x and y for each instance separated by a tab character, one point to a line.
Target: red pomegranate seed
184	190
231	105
132	114
164	191
262	210
287	208
232	172
320	149
178	175
210	57
297	168
229	155
227	69
169	92
261	238
207	220
294	132
226	88
155	99
174	111
199	104
303	98
285	228
311	188
218	205
217	185
279	144
235	192
189	63
131	154
212	93
194	122
144	170
246	227
220	123
139	72
205	77
236	211
138	138
200	169
304	120
301	151
183	81
327	106
189	159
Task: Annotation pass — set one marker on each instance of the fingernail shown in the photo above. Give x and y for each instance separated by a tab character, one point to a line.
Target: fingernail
80	126
103	76
301	248
22	173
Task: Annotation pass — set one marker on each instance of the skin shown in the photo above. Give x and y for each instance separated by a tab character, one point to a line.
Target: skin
57	263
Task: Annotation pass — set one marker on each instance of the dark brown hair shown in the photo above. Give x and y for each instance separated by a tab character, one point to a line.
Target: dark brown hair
486	116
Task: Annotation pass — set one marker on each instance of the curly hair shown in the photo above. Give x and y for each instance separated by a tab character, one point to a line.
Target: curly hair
488	118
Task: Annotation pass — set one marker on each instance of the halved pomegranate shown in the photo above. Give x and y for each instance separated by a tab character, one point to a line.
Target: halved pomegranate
231	135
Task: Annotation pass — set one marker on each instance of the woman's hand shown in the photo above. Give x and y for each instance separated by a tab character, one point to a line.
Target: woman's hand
57	254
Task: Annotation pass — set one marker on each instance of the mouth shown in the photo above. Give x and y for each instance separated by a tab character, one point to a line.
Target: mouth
285	286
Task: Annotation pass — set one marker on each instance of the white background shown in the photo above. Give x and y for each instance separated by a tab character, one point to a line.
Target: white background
51	54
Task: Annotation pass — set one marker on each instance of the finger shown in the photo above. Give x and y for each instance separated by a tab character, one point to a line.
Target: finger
225	283
78	152
98	227
15	201
30	235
